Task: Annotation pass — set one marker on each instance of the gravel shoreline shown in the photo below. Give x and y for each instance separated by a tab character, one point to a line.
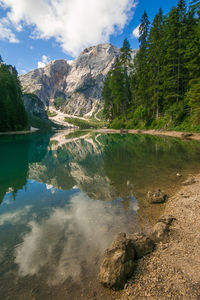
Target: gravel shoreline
19	132
172	271
177	134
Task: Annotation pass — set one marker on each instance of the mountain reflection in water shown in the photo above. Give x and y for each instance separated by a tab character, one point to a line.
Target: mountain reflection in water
65	195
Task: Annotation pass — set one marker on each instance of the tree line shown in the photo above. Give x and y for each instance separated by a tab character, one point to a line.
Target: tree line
160	86
13	116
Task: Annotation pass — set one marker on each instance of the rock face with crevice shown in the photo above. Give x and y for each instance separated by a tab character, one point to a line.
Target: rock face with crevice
35	107
47	82
155	197
118	263
79	83
119	260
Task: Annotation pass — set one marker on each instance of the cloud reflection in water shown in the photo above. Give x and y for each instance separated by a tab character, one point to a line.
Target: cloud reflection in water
70	238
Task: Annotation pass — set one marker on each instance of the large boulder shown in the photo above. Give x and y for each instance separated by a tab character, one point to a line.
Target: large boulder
160	231
155	197
118	263
143	245
168	219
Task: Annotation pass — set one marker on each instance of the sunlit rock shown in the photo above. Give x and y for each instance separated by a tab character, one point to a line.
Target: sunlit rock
156	196
143	245
118	263
79	83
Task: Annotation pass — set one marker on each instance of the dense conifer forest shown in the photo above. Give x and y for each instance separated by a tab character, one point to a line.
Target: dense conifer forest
160	86
12	112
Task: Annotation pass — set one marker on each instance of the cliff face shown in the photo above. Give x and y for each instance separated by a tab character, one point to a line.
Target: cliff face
34	106
85	81
79	83
36	112
46	82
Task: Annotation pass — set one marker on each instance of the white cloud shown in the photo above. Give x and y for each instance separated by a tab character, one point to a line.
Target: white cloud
70	61
5	31
14	217
136	32
45	60
75	24
72	236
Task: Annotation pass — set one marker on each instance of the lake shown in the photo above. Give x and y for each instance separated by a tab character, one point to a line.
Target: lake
65	195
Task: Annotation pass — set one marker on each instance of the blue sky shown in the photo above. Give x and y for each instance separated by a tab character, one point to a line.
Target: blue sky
33	32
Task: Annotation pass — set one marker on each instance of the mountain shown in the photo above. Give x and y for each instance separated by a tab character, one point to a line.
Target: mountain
46	82
77	85
36	112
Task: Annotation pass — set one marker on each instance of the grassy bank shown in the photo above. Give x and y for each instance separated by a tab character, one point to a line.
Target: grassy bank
85	124
163	123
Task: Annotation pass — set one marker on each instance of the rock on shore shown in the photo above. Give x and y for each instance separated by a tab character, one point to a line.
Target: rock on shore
156	196
119	260
118	263
172	271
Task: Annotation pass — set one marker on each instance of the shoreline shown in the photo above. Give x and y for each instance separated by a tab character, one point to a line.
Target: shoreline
172	271
176	134
18	132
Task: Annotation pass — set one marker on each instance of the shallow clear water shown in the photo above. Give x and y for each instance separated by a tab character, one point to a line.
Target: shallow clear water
63	198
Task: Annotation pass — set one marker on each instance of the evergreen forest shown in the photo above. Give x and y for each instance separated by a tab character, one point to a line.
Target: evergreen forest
12	112
160	86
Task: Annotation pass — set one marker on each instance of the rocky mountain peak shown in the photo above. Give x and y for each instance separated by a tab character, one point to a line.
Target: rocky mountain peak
78	83
44	82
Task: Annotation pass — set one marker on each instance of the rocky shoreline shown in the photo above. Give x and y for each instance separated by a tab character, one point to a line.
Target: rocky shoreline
19	132
177	134
172	270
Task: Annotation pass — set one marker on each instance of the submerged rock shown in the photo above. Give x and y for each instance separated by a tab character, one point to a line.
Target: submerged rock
161	229
143	245
178	175
168	219
118	263
156	196
189	181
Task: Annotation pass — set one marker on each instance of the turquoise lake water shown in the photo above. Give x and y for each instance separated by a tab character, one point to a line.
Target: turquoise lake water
64	196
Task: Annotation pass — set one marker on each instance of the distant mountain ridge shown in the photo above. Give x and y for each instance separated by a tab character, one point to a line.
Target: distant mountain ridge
78	83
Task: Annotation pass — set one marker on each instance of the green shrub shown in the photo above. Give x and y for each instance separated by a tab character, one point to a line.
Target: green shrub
58	102
85	124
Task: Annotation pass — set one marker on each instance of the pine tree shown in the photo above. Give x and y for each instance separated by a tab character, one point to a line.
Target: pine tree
116	86
12	112
142	66
108	110
156	61
195	5
125	57
164	80
192	57
116	90
125	63
174	70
